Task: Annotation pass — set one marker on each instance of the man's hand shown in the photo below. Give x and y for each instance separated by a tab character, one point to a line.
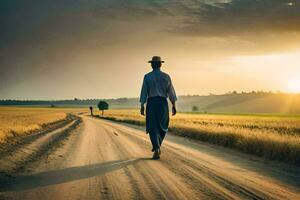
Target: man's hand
174	111
142	111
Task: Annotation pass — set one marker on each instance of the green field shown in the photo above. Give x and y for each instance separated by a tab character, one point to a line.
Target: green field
271	136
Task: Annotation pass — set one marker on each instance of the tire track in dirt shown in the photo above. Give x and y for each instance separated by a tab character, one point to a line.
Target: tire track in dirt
17	159
208	176
106	160
207	187
203	186
150	171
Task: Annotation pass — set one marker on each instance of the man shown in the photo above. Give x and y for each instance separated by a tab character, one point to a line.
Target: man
157	87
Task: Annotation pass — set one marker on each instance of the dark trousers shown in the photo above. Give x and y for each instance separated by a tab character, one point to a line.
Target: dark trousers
157	139
157	120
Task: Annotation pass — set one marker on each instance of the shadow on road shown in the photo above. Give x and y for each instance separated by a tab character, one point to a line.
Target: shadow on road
63	175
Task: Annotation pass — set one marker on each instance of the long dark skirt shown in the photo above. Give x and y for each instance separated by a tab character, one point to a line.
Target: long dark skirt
157	120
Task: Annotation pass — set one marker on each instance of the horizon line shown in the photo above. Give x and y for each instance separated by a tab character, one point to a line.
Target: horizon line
182	95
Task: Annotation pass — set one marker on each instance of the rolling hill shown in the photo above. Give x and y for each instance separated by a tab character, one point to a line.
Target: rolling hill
256	102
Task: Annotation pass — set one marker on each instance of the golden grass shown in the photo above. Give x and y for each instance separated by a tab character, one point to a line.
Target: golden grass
273	137
17	121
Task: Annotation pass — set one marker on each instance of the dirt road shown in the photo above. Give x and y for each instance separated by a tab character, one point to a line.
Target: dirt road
106	160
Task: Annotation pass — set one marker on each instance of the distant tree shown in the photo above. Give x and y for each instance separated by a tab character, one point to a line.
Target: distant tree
102	105
195	108
52	105
91	109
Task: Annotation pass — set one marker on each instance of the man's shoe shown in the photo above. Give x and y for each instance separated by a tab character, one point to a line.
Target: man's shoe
156	155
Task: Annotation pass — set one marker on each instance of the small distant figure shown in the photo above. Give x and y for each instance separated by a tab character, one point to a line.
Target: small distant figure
91	109
195	108
102	105
157	87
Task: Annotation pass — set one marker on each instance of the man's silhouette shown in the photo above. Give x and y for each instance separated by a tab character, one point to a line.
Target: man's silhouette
157	87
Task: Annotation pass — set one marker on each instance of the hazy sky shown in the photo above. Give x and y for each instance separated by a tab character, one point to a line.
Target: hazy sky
58	49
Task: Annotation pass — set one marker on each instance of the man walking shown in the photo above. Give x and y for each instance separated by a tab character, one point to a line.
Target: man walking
157	87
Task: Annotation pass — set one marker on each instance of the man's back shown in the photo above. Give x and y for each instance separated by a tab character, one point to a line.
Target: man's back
157	83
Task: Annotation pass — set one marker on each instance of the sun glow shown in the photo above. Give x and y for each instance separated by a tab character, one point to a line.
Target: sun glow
294	85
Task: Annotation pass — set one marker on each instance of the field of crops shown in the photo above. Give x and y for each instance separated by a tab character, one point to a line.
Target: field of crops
274	137
16	121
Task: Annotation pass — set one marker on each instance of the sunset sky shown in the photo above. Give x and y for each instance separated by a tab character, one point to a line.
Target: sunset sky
61	49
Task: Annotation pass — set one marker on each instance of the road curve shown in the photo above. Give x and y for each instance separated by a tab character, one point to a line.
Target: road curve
106	160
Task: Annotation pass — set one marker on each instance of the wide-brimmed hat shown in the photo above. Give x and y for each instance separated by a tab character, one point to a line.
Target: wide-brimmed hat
156	59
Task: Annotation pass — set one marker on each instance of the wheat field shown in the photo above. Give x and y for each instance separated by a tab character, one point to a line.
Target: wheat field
17	121
272	136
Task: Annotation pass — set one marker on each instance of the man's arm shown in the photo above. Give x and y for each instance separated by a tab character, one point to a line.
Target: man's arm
174	110
172	97
143	97
142	110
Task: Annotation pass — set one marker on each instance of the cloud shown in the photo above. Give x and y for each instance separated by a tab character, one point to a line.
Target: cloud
61	37
242	17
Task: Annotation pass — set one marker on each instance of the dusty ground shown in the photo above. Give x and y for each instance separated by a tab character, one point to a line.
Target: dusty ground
106	160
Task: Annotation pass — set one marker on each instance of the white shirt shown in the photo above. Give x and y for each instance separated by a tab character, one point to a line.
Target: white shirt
157	83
